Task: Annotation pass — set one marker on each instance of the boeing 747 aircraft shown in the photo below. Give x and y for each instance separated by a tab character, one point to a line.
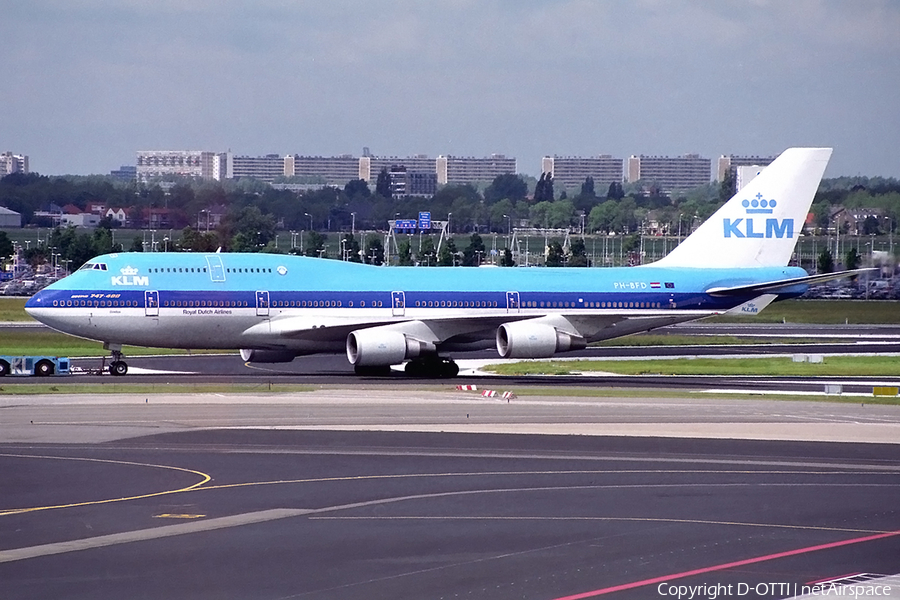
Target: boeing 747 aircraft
275	307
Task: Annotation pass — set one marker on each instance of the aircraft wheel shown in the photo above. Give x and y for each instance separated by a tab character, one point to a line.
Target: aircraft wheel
373	371
432	367
118	368
4	368
43	368
450	369
416	368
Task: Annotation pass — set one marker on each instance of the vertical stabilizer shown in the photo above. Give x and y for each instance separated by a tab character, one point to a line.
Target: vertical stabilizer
760	225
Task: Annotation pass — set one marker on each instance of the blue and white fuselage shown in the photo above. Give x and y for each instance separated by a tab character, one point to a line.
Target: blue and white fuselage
274	307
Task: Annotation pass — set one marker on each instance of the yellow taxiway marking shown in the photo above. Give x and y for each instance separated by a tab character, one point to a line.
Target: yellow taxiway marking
15	511
177	516
520	473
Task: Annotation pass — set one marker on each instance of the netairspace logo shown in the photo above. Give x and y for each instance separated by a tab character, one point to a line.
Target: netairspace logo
772	590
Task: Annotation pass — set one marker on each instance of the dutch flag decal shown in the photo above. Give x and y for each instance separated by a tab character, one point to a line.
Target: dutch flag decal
654	284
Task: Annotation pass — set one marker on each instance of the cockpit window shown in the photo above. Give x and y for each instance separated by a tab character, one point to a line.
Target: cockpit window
95	266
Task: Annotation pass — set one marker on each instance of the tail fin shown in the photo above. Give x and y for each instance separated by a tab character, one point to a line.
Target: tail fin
760	225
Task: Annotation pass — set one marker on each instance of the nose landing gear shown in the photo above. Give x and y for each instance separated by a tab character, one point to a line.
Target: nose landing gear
117	367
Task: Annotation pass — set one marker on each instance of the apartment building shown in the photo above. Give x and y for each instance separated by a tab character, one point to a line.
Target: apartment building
13	163
571	171
333	170
459	169
264	168
670	173
152	164
733	162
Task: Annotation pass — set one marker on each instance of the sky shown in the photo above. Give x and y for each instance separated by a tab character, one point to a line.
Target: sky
84	84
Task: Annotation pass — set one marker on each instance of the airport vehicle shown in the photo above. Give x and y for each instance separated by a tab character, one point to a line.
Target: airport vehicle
41	366
276	307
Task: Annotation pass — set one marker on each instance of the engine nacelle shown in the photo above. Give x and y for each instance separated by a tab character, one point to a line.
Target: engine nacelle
377	347
524	339
267	356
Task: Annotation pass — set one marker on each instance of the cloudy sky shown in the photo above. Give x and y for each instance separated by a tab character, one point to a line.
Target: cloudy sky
84	84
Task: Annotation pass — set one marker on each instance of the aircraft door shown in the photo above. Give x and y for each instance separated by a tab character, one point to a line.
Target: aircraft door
512	302
262	304
216	269
398	304
151	303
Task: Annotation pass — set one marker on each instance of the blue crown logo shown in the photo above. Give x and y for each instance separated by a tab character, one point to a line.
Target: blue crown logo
759	205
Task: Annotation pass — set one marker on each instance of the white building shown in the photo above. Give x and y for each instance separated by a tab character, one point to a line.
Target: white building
152	164
13	163
572	171
9	218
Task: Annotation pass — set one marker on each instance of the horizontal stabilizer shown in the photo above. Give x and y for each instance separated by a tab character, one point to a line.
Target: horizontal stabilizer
752	307
781	285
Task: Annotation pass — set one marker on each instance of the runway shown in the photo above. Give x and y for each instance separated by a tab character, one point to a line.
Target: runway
335	370
390	488
369	493
382	515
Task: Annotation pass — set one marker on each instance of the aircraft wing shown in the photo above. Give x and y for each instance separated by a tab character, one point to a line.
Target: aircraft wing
465	329
781	285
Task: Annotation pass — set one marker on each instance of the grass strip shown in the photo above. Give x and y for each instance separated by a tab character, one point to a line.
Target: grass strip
39	341
838	366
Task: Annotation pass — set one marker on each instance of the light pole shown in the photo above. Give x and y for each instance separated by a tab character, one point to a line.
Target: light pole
310	220
353	224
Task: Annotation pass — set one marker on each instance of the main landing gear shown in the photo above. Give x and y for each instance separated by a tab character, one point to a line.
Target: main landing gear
426	367
432	367
117	367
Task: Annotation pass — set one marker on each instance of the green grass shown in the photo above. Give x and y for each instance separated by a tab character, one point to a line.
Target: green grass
13	309
36	341
824	312
656	394
663	339
846	366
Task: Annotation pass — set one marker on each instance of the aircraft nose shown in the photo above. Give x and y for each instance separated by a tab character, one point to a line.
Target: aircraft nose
36	302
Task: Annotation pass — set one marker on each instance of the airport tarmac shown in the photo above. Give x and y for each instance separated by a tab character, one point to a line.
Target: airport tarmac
437	493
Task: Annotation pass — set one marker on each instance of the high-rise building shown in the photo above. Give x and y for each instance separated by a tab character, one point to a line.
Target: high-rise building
670	173
152	164
572	171
334	170
124	173
264	168
411	183
13	163
369	169
458	169
733	161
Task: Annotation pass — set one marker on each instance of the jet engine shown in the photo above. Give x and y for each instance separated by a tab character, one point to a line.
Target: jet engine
377	346
524	339
267	356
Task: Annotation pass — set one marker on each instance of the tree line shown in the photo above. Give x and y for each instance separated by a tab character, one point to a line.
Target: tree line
255	212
